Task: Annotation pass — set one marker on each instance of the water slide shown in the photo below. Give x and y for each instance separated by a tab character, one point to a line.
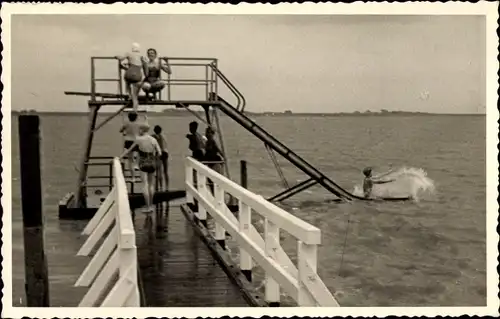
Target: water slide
299	162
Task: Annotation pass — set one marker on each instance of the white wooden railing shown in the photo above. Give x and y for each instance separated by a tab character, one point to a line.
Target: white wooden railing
117	254
302	283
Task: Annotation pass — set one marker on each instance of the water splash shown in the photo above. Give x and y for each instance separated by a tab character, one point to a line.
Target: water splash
407	182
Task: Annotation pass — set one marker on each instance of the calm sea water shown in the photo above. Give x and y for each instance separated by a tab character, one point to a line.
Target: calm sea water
430	253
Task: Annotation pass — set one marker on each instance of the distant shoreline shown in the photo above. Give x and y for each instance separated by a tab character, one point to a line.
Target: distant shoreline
268	114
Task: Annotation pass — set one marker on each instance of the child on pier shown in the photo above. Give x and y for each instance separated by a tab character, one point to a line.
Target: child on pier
149	151
134	75
131	131
160	138
213	154
196	142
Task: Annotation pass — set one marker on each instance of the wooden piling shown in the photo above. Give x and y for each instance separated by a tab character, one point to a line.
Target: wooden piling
35	262
243	174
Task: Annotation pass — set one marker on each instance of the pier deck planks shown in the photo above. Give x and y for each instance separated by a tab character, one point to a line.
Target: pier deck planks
177	269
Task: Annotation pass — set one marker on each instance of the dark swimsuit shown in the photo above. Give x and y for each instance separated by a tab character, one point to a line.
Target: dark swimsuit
128	144
133	74
212	152
195	145
147	162
153	77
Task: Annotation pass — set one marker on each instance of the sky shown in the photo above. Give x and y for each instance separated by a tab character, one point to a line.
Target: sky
302	63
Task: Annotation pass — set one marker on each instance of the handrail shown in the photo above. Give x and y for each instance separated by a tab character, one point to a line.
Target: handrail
115	213
286	152
302	284
241	99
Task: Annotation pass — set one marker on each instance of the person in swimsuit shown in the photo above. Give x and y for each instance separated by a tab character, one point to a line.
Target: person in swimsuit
130	131
196	142
134	73
370	180
160	138
153	67
149	151
213	154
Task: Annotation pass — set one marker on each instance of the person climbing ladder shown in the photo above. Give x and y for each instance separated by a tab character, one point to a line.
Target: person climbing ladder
134	76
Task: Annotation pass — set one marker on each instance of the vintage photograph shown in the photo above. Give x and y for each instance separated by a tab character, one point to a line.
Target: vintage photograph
228	160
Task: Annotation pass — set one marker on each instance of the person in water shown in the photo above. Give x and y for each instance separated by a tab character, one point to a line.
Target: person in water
196	142
131	131
160	138
371	180
213	154
149	151
134	74
152	70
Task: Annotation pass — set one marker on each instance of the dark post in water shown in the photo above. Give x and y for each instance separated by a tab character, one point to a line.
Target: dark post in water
35	263
243	174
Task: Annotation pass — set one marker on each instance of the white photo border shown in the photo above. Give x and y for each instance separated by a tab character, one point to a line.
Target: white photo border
488	9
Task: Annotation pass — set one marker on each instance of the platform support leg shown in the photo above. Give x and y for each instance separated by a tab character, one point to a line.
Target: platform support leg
80	199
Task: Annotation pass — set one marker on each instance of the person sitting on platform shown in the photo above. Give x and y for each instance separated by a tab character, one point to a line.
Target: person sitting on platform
152	69
196	142
213	155
134	73
370	180
131	131
149	151
160	138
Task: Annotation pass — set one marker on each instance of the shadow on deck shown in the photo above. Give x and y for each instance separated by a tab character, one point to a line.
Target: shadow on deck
177	269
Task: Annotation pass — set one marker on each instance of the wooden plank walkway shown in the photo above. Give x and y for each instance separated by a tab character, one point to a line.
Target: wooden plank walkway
177	269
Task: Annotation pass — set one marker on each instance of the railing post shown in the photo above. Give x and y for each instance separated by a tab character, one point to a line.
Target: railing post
220	232
306	254
202	189
128	266
206	83
245	221
216	85
272	238
189	181
92	79
169	78
120	78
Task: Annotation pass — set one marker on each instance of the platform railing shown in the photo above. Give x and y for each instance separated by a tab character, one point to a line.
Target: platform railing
117	254
204	65
208	67
302	283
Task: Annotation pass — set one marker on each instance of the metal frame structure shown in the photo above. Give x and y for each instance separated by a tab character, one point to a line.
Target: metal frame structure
212	77
97	100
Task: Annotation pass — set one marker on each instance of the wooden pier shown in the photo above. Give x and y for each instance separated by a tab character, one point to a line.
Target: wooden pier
160	261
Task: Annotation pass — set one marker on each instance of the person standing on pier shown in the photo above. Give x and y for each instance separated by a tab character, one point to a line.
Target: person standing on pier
160	138
134	74
196	142
153	67
131	131
149	151
213	155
